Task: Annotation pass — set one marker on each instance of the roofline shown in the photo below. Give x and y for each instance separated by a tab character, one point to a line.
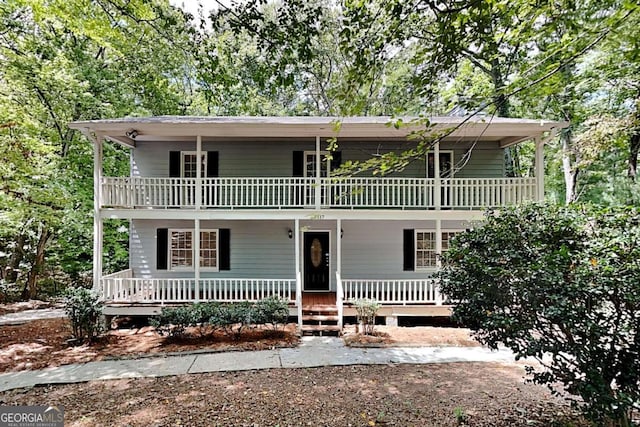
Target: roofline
508	131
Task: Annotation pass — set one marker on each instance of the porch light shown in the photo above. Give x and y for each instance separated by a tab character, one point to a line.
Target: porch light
132	134
290	233
341	233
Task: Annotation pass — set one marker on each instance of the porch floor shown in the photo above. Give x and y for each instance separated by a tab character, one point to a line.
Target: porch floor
318	298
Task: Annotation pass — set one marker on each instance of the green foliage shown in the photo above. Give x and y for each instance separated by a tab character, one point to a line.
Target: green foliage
84	310
231	318
460	415
65	61
273	311
367	310
558	281
174	321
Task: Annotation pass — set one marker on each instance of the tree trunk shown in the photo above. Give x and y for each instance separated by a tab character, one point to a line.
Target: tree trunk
634	149
10	273
31	287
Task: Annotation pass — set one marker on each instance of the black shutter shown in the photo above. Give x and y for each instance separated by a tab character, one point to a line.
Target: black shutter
212	164
336	160
409	250
162	248
174	164
298	163
224	239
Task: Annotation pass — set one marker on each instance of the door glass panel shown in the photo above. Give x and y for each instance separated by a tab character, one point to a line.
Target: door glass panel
316	253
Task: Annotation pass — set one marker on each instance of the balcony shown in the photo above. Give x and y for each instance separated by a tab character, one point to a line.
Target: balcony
323	193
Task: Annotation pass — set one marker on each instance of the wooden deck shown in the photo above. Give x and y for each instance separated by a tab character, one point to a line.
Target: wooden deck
318	298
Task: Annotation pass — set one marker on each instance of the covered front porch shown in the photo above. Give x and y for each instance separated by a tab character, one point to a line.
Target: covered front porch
123	292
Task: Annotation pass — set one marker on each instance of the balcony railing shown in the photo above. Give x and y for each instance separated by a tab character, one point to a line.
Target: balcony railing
297	193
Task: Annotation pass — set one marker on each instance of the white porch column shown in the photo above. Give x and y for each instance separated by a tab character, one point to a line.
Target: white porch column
296	251
199	171
339	246
539	160
436	176
438	242
437	295
318	192
196	257
97	204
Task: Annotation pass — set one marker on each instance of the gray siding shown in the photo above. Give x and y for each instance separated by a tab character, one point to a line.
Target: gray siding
374	249
275	159
262	249
258	249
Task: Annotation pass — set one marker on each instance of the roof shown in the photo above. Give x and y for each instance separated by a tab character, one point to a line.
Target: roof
128	130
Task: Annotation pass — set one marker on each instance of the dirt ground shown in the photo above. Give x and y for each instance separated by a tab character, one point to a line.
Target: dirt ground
456	394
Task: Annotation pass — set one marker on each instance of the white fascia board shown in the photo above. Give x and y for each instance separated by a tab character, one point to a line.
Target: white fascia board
298	127
288	215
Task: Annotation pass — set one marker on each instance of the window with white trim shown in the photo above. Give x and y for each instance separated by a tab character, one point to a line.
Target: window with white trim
189	164
426	252
425	249
181	250
446	164
310	161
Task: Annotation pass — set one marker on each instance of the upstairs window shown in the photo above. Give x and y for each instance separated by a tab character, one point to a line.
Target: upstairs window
446	164
189	165
184	164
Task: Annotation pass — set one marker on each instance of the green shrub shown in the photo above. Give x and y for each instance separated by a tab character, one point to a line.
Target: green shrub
84	310
562	282
273	311
367	310
232	318
173	321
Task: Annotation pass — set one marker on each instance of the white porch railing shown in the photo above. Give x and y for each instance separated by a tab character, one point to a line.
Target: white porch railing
299	297
339	299
486	192
139	290
295	193
398	291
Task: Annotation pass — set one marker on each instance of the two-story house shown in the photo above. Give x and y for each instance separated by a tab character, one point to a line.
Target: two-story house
241	208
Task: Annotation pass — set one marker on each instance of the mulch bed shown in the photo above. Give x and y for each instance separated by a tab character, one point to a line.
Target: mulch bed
45	343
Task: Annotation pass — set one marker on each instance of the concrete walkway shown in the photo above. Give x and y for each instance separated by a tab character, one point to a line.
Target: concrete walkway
28	315
312	352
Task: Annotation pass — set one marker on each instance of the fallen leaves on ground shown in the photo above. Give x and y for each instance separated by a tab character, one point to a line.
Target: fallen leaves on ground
481	394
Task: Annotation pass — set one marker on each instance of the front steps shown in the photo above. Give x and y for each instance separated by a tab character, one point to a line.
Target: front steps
320	319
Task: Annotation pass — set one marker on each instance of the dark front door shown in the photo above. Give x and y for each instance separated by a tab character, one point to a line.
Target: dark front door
316	261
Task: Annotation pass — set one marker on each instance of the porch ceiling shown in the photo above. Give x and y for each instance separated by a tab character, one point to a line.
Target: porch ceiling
127	131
